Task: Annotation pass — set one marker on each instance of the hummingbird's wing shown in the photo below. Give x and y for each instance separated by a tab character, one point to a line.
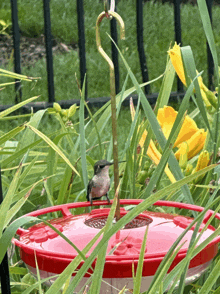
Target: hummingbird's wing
89	188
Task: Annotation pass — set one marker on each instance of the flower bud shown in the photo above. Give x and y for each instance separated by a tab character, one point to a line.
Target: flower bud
203	161
64	112
188	169
212	98
142	175
205	99
72	110
147	165
183	155
57	107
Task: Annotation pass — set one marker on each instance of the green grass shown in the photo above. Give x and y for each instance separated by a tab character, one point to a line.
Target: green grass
158	34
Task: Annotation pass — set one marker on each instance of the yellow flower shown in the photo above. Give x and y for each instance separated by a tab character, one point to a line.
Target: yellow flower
195	143
183	155
152	151
176	59
189	142
189	132
203	161
166	117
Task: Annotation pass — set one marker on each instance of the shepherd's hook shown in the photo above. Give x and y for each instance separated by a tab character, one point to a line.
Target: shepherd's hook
113	94
107	8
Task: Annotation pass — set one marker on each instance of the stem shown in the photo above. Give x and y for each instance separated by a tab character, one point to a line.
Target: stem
113	101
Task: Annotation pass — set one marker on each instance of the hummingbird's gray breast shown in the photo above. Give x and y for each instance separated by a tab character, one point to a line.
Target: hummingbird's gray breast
101	185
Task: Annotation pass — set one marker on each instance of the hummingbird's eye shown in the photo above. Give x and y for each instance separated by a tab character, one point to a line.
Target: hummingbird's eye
101	166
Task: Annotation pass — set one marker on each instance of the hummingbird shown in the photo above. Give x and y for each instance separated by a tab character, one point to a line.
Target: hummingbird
100	183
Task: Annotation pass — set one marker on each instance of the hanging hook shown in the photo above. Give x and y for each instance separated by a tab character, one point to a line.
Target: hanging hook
113	94
98	39
107	8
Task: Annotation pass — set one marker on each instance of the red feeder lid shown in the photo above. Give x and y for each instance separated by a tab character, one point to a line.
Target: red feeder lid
54	253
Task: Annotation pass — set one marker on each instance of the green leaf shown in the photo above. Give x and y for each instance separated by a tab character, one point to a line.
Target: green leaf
210	38
100	263
16	270
103	120
11	134
166	87
189	64
38	274
52	145
207	26
15	75
16	106
82	137
8	234
5	205
137	284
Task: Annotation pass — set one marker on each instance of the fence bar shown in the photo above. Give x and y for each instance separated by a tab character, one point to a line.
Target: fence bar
115	52
4	272
178	39
209	54
16	45
97	102
49	55
81	42
140	44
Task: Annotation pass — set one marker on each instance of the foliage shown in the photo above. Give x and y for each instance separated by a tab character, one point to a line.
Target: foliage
41	169
158	35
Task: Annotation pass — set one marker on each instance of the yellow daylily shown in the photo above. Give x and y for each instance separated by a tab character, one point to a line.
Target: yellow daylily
190	140
176	59
202	162
152	151
189	132
195	144
166	117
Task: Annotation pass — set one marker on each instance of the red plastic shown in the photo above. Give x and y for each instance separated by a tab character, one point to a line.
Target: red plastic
54	253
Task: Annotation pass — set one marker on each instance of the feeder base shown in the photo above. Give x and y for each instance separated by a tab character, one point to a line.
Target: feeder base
114	285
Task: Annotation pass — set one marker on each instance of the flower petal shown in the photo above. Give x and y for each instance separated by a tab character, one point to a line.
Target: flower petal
195	143
176	59
166	117
188	129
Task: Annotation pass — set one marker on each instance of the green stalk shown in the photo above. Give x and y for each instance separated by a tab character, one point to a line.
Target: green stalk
113	100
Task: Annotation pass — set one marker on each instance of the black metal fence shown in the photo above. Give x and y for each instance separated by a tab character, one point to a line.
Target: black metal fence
82	52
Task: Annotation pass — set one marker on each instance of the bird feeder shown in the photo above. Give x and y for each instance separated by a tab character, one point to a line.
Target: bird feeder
53	253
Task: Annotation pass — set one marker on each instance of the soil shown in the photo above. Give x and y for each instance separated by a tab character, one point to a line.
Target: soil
31	49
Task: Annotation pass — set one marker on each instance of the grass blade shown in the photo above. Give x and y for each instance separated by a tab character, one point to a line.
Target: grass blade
82	137
97	275
137	284
189	64
11	134
5	205
17	106
166	86
52	145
